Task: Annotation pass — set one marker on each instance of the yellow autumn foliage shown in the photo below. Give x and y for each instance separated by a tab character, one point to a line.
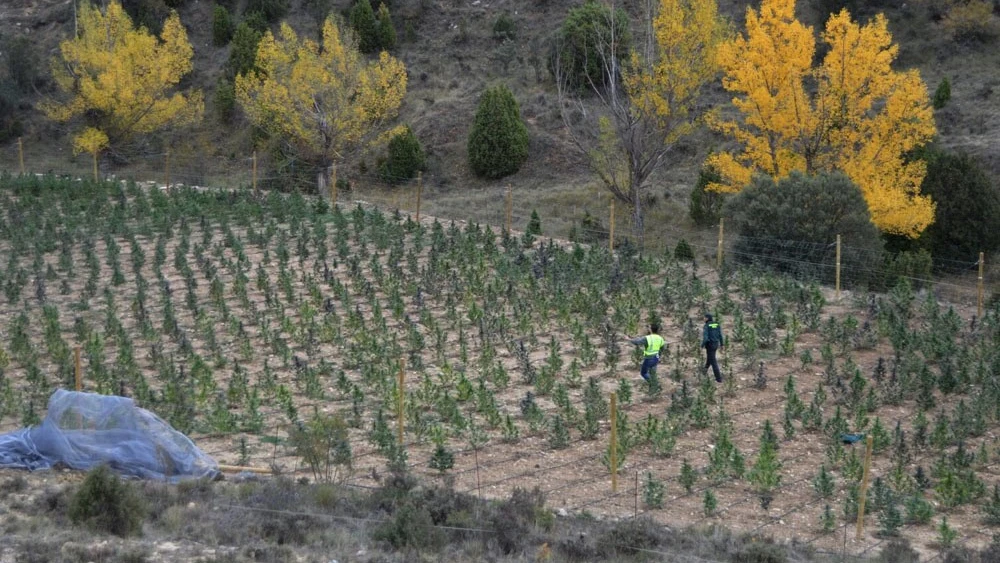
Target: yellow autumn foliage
687	35
321	98
122	79
860	117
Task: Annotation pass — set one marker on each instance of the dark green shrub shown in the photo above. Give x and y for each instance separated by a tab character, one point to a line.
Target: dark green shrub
705	206
243	53
967	218
498	141
583	44
272	10
386	31
222	26
942	95
22	63
792	225
406	158
108	504
147	13
225	99
590	230
11	126
504	28
913	264
318	9
410	526
534	224
683	251
256	21
365	26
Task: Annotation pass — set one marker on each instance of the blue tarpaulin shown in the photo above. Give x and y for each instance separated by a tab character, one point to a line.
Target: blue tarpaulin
84	430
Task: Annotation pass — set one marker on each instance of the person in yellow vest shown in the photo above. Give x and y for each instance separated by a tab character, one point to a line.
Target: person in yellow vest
651	345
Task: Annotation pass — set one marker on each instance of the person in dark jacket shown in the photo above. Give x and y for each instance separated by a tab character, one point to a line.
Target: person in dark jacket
711	341
651	345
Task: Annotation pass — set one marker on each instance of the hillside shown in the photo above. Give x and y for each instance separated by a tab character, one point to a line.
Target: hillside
451	56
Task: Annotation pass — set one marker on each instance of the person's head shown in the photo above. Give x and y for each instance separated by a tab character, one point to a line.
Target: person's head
708	317
654	327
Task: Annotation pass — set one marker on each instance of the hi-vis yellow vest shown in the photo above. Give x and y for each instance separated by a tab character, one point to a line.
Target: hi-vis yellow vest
653	344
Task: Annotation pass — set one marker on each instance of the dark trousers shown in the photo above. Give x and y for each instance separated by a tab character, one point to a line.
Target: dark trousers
648	363
711	361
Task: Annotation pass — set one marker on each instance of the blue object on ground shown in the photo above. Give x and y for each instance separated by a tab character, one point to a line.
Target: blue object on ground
84	430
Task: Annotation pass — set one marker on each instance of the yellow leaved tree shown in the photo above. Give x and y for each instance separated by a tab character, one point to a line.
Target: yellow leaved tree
321	99
852	113
121	80
649	102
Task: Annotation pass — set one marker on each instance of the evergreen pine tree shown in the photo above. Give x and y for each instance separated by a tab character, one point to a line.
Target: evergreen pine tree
652	491
688	476
386	31
498	139
824	483
365	26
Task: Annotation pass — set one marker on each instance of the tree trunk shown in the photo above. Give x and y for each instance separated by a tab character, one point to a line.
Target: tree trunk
321	181
637	221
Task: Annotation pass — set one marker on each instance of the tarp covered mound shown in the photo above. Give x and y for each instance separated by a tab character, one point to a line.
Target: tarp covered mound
84	430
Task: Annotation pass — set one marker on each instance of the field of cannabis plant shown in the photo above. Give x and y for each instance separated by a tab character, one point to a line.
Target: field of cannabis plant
282	332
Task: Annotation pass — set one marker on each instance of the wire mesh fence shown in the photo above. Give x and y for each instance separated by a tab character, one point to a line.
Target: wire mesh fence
961	279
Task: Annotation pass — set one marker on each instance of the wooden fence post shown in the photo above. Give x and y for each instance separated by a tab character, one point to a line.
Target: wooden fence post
613	455
78	375
20	154
718	252
166	182
864	488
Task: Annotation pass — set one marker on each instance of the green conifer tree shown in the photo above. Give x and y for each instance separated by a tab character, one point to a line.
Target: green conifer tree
498	140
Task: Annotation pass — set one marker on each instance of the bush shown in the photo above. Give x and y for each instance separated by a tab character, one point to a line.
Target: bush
970	21
683	251
498	141
913	264
590	230
323	445
107	504
318	9
406	158
791	226
898	551
411	526
942	94
272	10
967	218
365	26
243	53
147	13
222	26
504	28
705	207
581	46
22	63
10	122
386	31
225	99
